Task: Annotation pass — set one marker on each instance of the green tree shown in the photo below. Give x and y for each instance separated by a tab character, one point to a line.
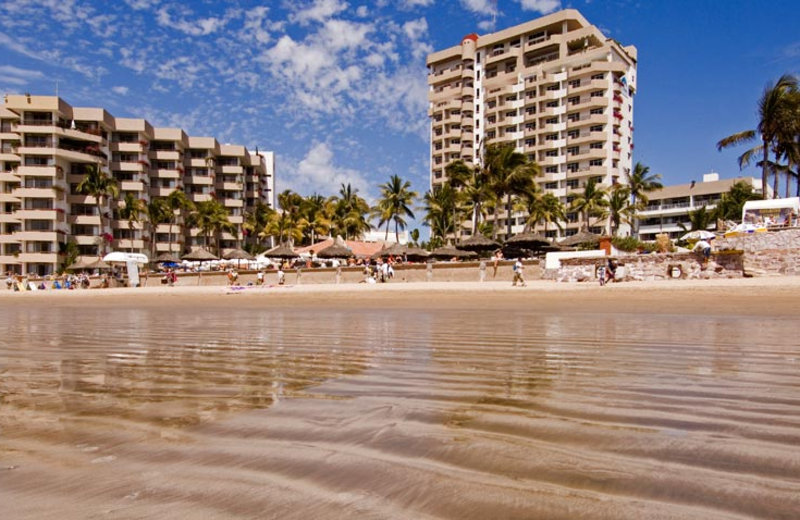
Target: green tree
510	173
178	203
395	204
700	219
211	218
100	185
157	213
591	202
542	207
131	211
437	205
731	203
349	213
257	220
621	209
640	182
776	109
315	216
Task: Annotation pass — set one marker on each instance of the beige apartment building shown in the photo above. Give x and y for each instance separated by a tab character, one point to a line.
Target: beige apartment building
668	208
45	148
556	88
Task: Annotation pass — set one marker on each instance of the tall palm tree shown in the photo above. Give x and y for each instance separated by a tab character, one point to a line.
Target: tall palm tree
732	202
349	213
394	204
458	175
131	210
211	218
290	202
158	213
177	202
476	192
509	173
281	226
621	210
255	221
100	185
591	201
437	206
640	183
542	207
775	110
700	219
315	216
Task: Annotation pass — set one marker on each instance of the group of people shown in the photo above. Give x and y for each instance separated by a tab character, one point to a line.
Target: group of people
16	282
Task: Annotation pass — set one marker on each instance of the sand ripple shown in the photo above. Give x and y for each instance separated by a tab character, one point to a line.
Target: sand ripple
251	412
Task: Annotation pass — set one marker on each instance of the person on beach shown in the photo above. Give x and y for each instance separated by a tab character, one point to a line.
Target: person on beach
429	271
704	247
260	277
498	255
610	271
281	275
518	276
482	270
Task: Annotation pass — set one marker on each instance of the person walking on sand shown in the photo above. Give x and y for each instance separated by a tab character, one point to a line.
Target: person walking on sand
260	277
482	270
518	276
498	255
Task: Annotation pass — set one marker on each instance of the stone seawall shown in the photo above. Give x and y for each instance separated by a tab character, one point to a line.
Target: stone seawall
684	266
766	254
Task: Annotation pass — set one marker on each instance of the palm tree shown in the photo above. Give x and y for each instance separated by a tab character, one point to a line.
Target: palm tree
281	226
314	210
509	173
732	202
591	202
394	204
621	210
349	213
776	108
256	220
437	206
640	183
212	218
177	202
100	185
158	213
542	207
476	192
458	174
699	220
131	210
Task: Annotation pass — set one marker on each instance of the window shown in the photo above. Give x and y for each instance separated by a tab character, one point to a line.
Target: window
551	169
553	87
598	93
596	128
530	142
530	126
551	121
551	153
530	110
552	104
596	146
512	113
575	83
573	168
599	76
596	162
573	150
572	183
596	111
572	217
573	134
551	137
575	100
551	186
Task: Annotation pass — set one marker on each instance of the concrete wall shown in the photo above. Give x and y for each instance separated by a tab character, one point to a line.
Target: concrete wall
766	254
655	267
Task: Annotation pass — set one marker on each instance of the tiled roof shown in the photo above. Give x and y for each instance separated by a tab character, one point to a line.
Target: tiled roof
360	249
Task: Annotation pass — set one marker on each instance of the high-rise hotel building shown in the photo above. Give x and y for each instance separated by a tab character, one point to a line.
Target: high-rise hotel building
555	88
46	146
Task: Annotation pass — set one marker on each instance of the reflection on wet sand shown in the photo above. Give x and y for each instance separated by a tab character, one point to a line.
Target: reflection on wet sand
359	413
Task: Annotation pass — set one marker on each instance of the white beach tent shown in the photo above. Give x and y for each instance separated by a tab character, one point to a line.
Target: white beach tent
777	210
120	256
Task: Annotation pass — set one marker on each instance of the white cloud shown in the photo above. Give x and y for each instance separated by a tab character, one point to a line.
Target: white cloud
256	25
199	27
541	6
316	172
362	11
139	5
121	90
415	3
479	6
340	34
318	11
9	71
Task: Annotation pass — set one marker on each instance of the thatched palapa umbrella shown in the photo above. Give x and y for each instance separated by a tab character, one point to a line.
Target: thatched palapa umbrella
450	252
281	251
338	249
200	255
395	249
582	237
238	254
527	240
165	258
478	243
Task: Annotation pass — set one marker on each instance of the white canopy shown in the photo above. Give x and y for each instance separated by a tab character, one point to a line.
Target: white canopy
120	256
777	209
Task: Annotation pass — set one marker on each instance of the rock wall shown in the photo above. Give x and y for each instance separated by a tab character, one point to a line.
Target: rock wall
766	254
685	266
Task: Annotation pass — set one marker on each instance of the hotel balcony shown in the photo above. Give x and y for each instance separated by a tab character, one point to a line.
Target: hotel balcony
166	174
200	180
445	76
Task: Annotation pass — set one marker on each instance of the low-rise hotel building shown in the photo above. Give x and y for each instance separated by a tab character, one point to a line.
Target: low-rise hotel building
46	146
555	88
670	206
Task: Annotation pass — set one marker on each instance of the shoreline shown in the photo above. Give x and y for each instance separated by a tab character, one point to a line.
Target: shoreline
774	296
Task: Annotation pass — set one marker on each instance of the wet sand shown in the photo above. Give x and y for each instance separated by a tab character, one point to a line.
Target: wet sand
454	401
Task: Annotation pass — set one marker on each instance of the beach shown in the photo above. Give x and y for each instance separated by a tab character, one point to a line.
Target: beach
403	400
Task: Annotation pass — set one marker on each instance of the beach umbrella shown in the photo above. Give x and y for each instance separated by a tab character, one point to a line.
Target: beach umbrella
527	240
200	255
83	263
478	243
416	254
99	264
238	255
338	249
168	258
699	234
582	237
281	251
395	249
450	252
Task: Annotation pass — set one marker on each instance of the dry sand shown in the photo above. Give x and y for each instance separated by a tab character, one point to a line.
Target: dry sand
670	400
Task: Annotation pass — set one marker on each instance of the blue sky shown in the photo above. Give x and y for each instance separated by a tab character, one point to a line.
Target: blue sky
337	88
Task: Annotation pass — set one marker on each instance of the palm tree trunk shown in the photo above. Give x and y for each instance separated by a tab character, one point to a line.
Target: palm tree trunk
508	216
764	172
